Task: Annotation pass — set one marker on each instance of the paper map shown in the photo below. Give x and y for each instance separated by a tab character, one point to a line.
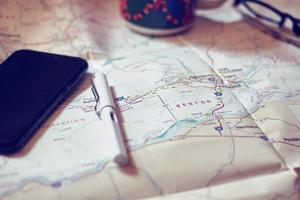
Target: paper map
210	114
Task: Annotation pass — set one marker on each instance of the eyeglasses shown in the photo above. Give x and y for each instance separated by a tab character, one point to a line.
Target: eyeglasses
269	13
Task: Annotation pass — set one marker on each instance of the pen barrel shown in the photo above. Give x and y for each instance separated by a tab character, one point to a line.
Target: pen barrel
106	111
121	157
110	118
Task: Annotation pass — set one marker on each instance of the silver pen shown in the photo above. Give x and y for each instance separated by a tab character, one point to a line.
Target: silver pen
106	111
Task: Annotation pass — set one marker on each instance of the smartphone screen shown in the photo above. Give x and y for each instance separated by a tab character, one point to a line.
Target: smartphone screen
31	85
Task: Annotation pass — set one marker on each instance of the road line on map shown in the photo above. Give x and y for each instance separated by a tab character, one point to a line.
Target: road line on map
220	127
114	185
151	180
239	136
166	106
222	106
221	136
286	122
223	166
287	143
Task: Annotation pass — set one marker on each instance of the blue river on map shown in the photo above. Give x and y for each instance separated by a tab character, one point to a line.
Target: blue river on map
174	129
169	133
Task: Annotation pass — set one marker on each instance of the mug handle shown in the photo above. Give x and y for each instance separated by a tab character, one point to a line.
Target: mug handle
209	4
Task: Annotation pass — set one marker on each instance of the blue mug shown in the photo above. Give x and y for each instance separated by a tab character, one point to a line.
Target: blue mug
160	17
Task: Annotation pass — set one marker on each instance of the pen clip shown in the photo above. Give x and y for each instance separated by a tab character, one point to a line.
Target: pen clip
96	95
98	107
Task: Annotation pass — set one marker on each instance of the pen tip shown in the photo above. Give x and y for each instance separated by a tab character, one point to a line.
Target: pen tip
121	160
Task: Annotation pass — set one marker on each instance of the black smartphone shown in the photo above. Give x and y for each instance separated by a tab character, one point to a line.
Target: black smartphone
32	84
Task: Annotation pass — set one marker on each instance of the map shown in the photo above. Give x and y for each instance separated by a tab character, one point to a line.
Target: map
210	114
